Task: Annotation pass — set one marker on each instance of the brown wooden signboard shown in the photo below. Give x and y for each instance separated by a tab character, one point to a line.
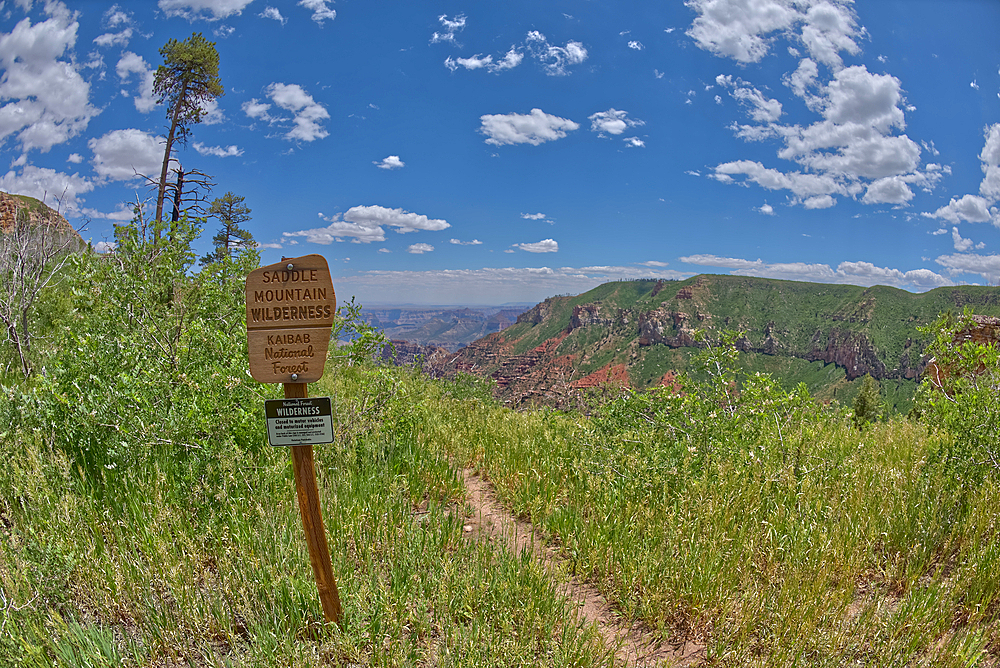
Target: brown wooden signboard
290	309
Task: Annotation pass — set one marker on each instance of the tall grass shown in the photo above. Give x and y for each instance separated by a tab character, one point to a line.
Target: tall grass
806	542
137	566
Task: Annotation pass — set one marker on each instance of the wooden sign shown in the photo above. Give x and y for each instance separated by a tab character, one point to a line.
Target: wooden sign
290	310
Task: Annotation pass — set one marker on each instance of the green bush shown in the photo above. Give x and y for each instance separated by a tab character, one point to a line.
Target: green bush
963	399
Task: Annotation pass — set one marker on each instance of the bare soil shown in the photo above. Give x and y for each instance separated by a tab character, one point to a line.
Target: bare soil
635	644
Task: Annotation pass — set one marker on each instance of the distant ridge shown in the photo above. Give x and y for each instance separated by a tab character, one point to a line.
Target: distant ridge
38	212
638	333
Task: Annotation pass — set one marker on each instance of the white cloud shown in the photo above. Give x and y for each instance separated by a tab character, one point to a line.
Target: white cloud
320	10
116	16
534	128
533	216
852	273
612	121
803	186
390	162
451	27
987	266
976	208
738	28
419	249
633	44
364	224
403	221
742	29
990	157
634	142
131	63
890	190
47	101
819	202
970	208
475	286
476	62
654	263
962	245
339	230
830	27
124	155
509	61
307	112
60	191
211	114
543	246
211	10
218	151
762	109
114	38
766	209
851	151
458	242
274	14
555	59
258	110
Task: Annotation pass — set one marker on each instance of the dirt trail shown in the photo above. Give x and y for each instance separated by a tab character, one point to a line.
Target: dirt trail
637	646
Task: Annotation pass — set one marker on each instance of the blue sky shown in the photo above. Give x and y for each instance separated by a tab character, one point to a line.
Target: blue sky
483	153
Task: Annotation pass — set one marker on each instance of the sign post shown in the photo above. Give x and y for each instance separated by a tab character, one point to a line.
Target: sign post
290	310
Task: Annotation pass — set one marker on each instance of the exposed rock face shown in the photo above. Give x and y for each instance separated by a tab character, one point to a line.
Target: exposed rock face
536	314
587	315
670	328
850	350
431	357
38	214
985	330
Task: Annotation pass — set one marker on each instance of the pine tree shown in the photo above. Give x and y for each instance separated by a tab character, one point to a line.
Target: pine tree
187	81
868	403
231	212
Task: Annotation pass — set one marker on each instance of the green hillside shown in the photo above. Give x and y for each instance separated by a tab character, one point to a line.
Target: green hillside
826	336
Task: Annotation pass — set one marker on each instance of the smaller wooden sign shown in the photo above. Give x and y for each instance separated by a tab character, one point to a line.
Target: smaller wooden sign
290	310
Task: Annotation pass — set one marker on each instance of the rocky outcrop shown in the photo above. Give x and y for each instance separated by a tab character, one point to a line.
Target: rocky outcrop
670	328
404	353
850	350
536	314
984	330
588	315
38	215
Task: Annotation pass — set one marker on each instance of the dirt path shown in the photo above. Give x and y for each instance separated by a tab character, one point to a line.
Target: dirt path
637	646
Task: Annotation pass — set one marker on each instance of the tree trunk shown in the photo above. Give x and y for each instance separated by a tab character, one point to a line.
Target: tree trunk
166	162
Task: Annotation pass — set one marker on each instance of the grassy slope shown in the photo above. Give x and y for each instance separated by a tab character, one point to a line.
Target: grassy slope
147	567
827	547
